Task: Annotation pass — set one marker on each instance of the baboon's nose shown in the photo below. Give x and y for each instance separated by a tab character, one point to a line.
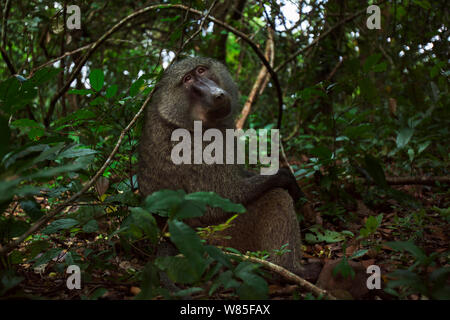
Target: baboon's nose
219	96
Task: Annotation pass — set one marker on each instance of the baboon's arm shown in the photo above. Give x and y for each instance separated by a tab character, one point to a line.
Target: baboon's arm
255	186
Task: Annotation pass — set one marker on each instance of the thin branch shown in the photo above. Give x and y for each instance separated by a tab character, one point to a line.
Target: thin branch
198	30
260	82
287	275
417	180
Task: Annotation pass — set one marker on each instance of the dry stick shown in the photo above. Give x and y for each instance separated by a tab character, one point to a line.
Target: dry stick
287	275
417	180
336	67
66	54
259	84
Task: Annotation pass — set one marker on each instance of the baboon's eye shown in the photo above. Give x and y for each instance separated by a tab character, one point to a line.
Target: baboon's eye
187	78
201	70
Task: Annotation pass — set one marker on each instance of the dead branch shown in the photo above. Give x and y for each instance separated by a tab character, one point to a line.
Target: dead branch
417	180
260	83
286	274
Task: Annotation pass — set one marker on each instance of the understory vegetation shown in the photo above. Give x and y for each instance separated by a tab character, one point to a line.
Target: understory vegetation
365	128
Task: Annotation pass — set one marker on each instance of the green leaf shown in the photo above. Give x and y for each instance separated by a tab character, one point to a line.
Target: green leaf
45	74
32	209
358	254
225	280
9	94
371	61
423	146
373	167
408	279
31	127
5	136
9	280
76	151
97	101
215	201
136	87
90	226
328	236
409	247
96	79
111	91
140	221
46	257
403	137
150	282
358	132
11	228
178	269
425	4
253	286
344	269
219	256
163	201
380	67
189	244
83	92
321	152
61	224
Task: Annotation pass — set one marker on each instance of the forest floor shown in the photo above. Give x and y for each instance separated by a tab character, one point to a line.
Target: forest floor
428	227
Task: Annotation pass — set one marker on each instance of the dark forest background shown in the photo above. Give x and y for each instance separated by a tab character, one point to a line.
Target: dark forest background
365	127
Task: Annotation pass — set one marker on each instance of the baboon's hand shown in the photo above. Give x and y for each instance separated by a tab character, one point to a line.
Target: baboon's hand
289	182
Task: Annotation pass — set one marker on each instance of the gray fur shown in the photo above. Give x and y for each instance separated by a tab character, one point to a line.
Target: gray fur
270	220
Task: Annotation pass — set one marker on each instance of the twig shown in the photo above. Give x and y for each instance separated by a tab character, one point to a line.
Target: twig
336	67
417	180
198	30
287	275
260	82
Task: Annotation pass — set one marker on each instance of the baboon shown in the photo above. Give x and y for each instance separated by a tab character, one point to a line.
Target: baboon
202	89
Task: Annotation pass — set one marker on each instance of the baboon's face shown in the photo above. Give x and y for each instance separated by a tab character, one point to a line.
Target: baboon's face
208	101
197	89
